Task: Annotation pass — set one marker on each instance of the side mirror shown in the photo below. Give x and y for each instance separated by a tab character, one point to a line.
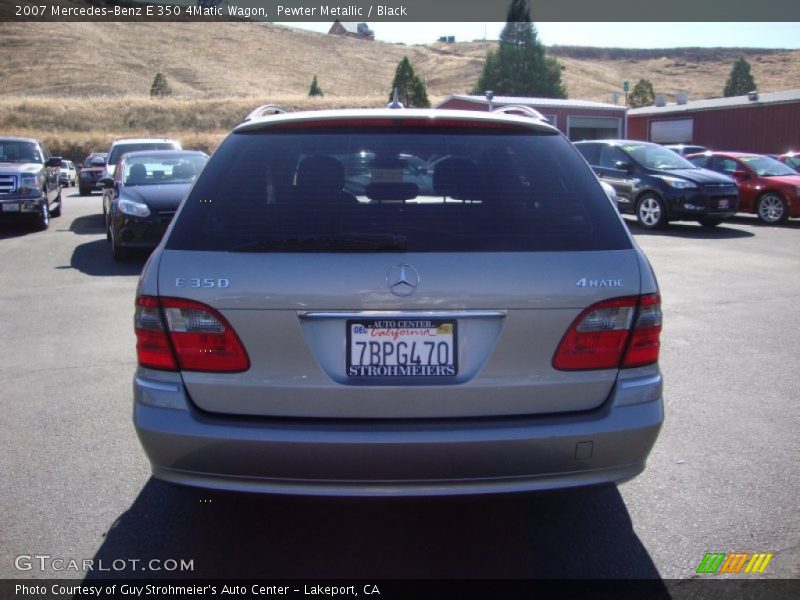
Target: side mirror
623	166
740	174
106	182
54	161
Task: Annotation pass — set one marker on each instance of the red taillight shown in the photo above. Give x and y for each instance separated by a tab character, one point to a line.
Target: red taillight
152	344
646	337
621	332
175	333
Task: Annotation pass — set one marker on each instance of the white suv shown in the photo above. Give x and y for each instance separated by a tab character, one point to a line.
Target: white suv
121	146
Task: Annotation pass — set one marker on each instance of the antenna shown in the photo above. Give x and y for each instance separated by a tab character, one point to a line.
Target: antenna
395	103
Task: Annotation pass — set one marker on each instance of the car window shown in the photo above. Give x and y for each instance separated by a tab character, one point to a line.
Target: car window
590	152
725	165
764	166
363	189
19	151
699	161
611	155
792	161
161	170
653	156
120	149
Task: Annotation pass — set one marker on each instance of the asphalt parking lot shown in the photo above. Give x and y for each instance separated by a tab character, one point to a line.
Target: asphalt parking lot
723	477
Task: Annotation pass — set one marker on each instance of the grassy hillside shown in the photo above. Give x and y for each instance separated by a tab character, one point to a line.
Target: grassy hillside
79	85
249	60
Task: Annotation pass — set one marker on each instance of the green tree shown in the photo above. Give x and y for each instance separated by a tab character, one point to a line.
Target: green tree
642	94
410	88
520	65
160	87
740	81
315	89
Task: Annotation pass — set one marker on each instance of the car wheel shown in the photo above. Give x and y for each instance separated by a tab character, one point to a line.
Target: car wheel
118	252
709	221
56	212
771	208
651	212
43	218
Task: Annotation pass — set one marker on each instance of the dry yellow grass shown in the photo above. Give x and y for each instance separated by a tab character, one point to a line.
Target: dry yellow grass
263	60
80	85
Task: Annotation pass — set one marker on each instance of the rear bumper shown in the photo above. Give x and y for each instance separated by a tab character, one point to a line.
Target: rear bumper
399	458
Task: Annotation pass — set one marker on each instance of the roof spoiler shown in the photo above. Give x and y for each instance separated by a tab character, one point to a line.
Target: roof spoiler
265	110
520	110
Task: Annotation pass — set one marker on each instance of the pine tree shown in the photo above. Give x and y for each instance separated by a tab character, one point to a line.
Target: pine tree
520	66
315	89
740	81
160	87
410	88
642	94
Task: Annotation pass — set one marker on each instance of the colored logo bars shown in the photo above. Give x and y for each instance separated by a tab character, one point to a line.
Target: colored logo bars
719	562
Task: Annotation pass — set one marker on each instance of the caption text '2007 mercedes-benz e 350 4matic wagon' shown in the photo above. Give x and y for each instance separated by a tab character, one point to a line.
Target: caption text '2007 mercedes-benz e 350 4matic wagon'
397	302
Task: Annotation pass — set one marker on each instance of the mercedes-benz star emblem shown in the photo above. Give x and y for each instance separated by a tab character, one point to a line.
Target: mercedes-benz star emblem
402	280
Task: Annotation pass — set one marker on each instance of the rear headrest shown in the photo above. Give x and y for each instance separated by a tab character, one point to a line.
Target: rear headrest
137	174
322	173
183	171
457	178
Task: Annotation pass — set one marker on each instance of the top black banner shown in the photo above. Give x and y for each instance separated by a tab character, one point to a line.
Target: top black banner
402	11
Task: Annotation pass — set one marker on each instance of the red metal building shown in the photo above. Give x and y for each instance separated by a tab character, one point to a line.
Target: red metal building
577	119
767	123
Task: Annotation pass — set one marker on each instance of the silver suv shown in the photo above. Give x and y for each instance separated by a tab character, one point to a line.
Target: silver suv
397	302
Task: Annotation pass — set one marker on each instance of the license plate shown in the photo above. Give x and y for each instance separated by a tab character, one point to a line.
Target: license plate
401	348
10	207
724	203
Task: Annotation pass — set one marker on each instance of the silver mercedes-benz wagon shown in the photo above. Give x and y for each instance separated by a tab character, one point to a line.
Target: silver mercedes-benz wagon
397	302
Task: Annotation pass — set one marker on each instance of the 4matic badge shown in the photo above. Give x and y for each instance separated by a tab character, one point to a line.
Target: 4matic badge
599	283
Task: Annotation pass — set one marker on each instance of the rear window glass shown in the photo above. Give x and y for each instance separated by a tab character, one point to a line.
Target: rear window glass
120	149
162	169
396	189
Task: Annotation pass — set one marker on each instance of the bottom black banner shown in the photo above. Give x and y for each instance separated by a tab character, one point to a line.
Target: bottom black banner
699	588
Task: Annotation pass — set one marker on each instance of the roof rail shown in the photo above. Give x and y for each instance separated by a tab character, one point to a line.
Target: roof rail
519	109
264	110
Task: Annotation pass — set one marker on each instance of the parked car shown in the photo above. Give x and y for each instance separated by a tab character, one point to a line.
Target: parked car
498	332
767	187
121	146
29	186
144	194
658	186
791	160
684	149
67	173
94	168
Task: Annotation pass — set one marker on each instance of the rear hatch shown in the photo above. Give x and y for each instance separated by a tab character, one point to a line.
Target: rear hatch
447	296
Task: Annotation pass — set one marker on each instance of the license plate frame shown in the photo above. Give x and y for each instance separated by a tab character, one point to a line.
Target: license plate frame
412	362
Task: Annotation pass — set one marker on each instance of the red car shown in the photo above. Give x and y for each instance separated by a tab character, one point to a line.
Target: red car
767	187
791	159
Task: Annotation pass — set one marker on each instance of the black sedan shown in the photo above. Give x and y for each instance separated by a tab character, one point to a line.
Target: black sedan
658	186
148	188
